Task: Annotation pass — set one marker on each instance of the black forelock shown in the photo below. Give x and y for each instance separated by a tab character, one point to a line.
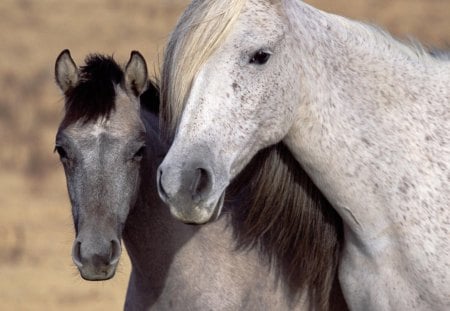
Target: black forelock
94	95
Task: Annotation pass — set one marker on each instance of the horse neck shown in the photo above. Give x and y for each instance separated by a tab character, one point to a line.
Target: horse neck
165	253
161	248
365	99
151	234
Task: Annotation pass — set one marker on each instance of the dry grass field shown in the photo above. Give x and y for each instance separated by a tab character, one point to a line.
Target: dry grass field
36	232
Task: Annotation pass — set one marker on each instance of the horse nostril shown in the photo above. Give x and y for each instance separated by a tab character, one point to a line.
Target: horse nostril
115	252
76	254
201	184
188	185
162	192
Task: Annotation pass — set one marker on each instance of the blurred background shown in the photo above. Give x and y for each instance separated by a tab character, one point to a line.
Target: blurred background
36	232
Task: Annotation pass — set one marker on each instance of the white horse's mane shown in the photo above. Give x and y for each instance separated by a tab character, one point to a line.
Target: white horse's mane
410	46
199	32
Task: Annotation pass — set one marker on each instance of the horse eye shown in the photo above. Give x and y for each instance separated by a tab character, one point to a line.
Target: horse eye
260	57
62	153
139	154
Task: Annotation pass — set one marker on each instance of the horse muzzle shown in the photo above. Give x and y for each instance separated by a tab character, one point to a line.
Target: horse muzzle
198	214
193	193
96	261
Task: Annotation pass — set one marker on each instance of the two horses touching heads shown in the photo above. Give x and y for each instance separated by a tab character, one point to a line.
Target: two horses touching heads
110	147
320	146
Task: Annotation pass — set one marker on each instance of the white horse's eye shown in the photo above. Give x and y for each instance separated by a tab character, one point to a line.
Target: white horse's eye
260	57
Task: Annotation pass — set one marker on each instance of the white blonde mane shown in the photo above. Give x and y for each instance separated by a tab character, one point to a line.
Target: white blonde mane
201	29
377	36
409	47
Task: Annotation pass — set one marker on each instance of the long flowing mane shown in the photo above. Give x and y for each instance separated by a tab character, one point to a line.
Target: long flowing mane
286	216
288	219
204	24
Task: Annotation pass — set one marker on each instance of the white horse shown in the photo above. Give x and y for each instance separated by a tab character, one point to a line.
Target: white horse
367	117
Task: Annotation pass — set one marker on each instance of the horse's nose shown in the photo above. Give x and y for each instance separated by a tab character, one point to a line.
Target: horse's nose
201	184
161	191
190	185
76	254
96	261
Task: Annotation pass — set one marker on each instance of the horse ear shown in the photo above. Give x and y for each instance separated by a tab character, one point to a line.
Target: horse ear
136	75
66	71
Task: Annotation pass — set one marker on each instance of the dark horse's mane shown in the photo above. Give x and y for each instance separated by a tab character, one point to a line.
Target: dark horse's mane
94	95
288	219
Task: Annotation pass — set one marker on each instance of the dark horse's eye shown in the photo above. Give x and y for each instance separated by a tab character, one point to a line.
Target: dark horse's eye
260	57
62	153
139	154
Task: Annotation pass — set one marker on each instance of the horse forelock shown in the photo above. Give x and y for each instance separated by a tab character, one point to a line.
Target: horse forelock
286	216
94	95
201	29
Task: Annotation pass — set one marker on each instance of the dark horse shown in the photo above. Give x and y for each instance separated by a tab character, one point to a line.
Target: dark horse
109	145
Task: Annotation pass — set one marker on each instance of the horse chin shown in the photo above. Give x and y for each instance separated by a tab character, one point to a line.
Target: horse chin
199	214
98	274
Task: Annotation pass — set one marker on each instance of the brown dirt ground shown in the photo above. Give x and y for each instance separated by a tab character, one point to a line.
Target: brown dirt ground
35	223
